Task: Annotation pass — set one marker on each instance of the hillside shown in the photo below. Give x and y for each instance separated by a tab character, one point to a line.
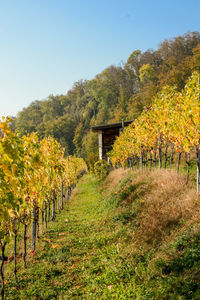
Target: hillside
134	235
118	92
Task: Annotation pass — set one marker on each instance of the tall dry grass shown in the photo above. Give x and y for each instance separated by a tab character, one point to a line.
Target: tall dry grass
115	177
167	203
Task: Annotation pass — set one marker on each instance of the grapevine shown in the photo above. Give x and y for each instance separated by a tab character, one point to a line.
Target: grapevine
33	177
173	121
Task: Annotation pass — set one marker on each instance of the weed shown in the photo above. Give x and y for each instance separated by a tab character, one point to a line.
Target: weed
125	217
127	191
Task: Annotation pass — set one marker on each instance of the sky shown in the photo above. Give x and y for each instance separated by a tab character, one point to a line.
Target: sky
47	45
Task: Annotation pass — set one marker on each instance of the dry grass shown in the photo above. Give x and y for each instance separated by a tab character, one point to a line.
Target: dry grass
168	203
115	177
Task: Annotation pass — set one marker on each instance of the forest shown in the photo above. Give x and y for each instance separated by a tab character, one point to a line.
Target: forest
118	92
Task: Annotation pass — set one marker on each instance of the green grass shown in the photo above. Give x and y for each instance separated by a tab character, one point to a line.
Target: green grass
79	255
88	252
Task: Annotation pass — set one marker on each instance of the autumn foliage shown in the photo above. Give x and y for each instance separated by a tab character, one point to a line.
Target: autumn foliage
173	121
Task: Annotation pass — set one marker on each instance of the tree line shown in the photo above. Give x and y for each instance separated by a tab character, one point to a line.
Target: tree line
118	92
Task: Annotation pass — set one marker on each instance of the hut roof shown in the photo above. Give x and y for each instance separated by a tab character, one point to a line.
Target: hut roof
110	126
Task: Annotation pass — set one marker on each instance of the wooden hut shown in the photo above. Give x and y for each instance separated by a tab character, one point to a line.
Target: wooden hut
107	135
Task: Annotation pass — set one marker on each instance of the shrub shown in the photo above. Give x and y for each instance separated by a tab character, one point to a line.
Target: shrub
101	169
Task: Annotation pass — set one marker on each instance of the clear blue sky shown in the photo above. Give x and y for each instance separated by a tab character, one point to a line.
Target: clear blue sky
47	45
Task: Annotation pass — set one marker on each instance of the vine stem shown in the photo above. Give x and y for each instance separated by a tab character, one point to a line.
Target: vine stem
179	160
188	168
15	253
33	229
3	246
25	246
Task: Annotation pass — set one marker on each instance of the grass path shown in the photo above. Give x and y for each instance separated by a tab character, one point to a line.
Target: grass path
99	245
77	257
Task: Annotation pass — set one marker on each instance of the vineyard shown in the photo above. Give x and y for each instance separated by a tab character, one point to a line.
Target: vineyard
35	178
171	123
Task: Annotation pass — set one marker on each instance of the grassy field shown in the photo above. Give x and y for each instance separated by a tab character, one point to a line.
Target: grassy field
133	236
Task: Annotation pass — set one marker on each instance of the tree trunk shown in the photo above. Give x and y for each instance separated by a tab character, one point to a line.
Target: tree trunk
49	211
154	159
145	161
61	195
38	222
2	270
138	162
33	240
150	160
188	168
15	252
54	206
25	245
172	155
56	203
68	193
178	164
43	214
160	157
166	158
141	161
130	163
